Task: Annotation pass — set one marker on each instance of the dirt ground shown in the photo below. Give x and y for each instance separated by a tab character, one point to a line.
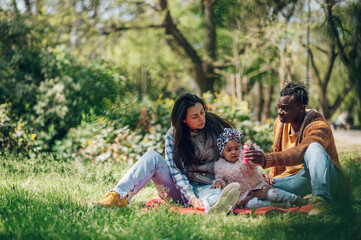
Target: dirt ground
348	140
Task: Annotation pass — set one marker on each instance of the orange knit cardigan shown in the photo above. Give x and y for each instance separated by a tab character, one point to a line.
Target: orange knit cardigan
314	128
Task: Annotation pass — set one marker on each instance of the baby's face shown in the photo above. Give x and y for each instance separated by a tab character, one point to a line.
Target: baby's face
231	151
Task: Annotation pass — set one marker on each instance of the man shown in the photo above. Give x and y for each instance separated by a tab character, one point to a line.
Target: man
305	158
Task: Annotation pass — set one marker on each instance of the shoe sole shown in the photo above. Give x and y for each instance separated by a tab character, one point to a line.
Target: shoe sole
315	213
229	197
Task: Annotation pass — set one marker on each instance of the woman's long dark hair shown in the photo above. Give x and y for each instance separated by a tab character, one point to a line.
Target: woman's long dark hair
183	153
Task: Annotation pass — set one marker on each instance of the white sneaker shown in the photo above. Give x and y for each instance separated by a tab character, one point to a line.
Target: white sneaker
229	197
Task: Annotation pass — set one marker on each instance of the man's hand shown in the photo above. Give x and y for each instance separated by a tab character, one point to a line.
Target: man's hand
268	178
217	184
255	156
197	203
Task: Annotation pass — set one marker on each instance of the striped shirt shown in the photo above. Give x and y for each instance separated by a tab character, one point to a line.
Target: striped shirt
180	180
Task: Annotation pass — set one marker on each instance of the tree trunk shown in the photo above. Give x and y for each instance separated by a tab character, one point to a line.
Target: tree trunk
352	59
258	100
28	6
209	44
202	70
15	6
357	60
266	111
39	6
244	87
231	89
239	88
282	68
324	103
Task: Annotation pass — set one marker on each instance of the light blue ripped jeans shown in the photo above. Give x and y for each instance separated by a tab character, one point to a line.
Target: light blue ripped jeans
274	195
318	176
152	166
208	196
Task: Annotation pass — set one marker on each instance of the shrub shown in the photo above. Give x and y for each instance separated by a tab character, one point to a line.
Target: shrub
46	85
14	133
131	127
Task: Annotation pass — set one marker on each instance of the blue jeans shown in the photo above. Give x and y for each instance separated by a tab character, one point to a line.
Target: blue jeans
274	195
152	166
208	196
318	176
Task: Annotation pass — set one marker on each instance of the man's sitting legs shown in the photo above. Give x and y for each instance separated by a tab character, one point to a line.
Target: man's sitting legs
322	173
318	176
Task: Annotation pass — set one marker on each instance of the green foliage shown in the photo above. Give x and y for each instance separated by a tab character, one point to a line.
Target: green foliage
43	196
241	116
131	127
67	61
352	164
14	132
19	62
124	133
71	89
45	84
149	71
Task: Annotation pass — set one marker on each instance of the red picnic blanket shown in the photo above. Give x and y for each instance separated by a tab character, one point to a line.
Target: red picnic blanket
157	202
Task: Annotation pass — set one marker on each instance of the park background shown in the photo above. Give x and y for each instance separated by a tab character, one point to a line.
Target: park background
87	87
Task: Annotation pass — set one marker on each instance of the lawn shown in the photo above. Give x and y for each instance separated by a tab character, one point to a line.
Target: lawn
45	197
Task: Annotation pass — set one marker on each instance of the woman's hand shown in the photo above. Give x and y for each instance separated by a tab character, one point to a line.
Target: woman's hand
217	184
197	203
256	156
268	178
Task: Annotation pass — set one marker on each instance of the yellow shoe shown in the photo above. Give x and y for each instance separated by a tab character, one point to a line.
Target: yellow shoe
319	205
112	199
308	197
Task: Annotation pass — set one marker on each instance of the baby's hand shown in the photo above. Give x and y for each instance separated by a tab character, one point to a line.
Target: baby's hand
217	184
268	178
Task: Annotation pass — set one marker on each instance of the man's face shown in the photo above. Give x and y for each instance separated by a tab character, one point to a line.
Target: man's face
289	110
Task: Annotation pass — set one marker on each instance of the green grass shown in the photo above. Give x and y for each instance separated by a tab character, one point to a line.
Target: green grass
43	197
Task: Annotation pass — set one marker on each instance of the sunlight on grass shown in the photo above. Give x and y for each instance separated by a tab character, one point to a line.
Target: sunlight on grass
42	197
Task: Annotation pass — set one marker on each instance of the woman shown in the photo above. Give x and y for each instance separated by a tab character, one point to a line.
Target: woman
187	172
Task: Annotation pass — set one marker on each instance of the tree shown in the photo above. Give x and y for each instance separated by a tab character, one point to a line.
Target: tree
205	62
43	82
346	38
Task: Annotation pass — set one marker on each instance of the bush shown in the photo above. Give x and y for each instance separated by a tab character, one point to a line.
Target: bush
241	116
46	85
14	133
70	90
131	127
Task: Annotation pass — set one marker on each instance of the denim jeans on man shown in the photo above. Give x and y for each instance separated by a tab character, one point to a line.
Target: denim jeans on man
318	176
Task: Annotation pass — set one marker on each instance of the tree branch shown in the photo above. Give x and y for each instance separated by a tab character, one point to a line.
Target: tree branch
334	33
339	99
315	69
124	28
331	60
172	29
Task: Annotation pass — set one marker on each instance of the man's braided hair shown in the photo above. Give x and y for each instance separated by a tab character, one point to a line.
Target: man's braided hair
296	89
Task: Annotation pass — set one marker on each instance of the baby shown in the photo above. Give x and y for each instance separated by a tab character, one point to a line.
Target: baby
256	191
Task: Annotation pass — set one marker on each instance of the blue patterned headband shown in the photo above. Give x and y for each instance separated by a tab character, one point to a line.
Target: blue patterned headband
228	134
